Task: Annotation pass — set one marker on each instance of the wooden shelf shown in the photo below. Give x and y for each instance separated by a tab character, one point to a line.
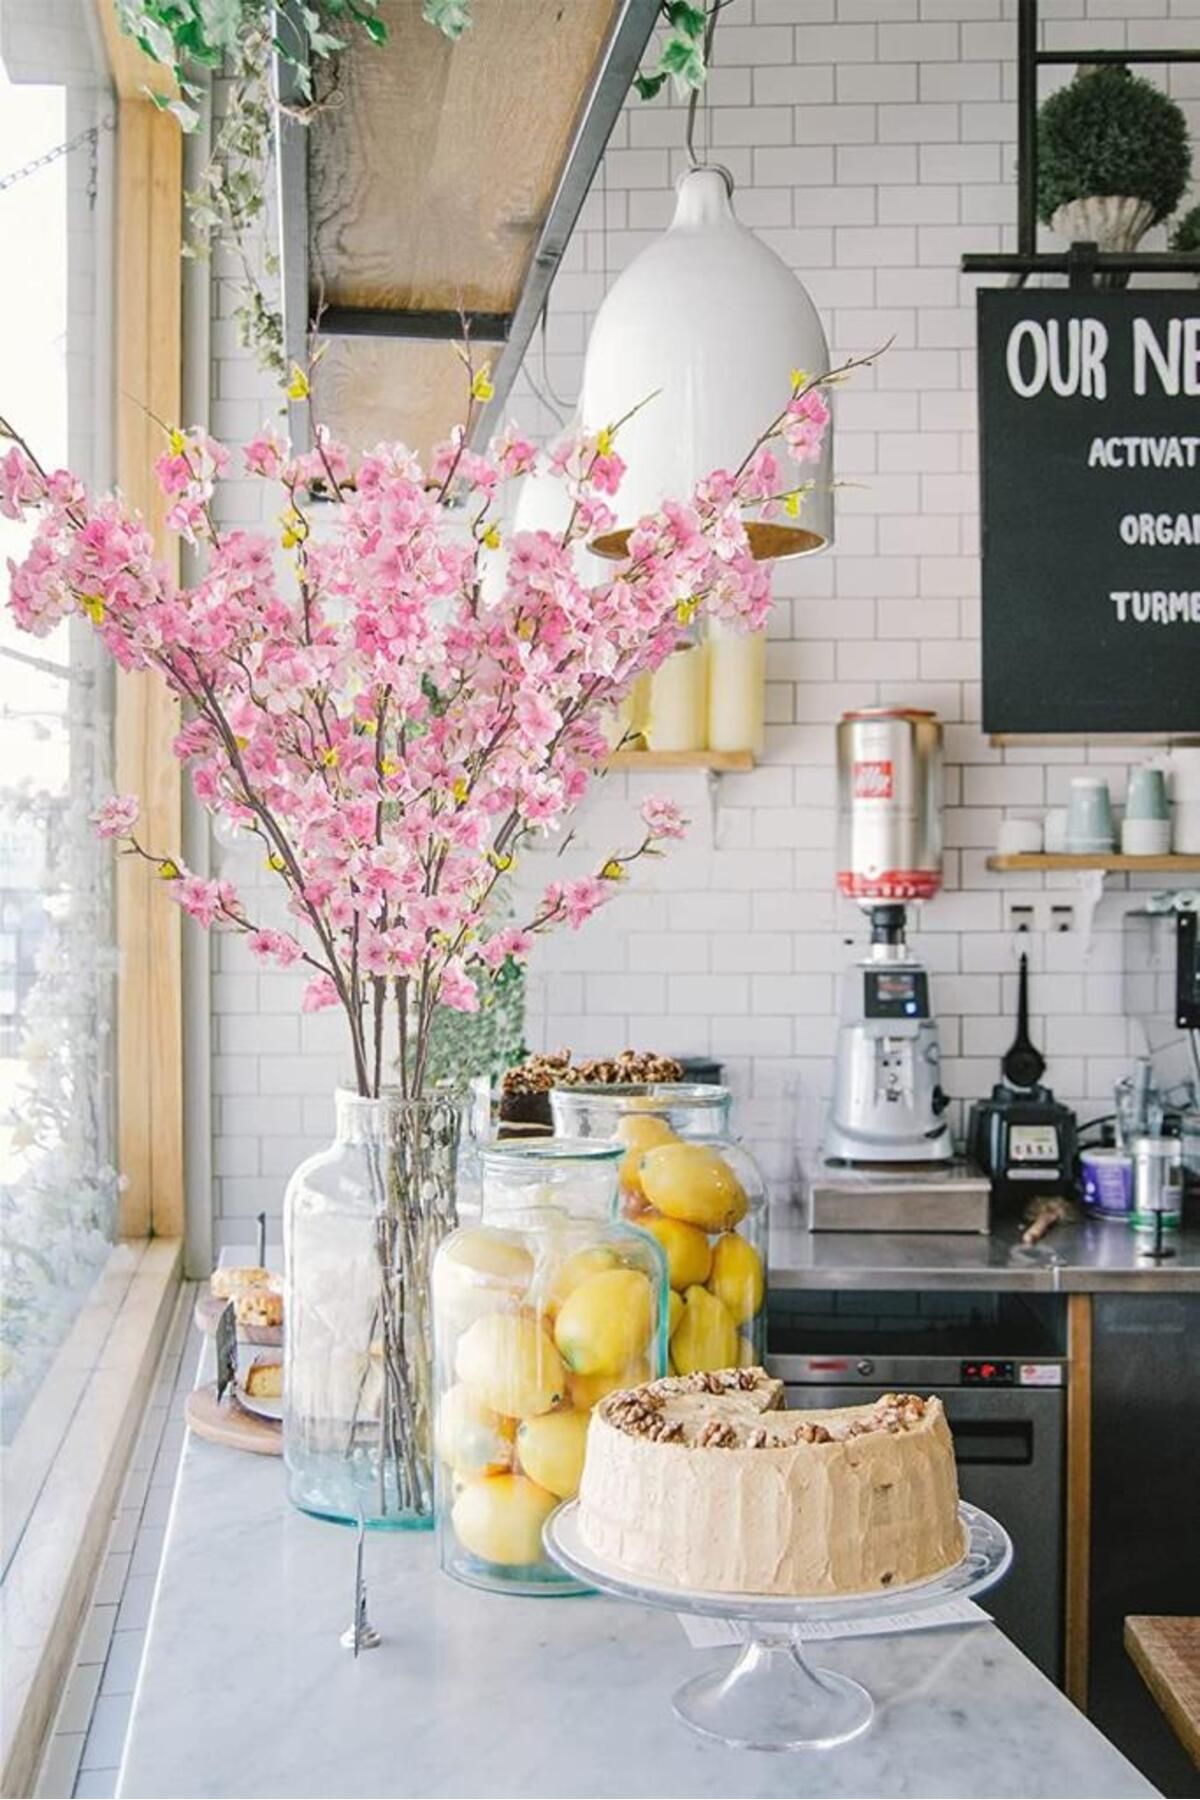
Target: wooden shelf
1112	864
718	762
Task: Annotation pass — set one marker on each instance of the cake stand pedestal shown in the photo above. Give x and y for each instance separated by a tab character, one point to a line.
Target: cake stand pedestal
771	1697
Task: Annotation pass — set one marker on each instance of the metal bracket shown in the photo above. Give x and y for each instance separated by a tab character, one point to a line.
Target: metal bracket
291	182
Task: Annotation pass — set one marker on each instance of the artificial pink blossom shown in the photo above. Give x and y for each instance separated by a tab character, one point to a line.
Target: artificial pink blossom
116	816
392	710
662	817
202	899
515	455
320	994
457	990
279	947
20	485
265	454
581	898
805	425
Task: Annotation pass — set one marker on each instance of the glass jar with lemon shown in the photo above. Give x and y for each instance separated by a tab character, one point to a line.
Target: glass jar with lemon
689	1184
549	1303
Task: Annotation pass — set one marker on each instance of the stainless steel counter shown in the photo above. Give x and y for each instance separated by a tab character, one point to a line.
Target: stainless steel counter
1089	1258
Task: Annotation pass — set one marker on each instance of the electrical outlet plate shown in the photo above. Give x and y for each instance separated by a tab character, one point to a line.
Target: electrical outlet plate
1043	912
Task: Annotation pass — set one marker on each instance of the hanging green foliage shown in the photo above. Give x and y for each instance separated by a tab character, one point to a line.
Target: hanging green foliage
682	58
242	39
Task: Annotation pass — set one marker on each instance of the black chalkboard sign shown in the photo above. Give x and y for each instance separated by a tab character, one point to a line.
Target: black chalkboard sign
1090	491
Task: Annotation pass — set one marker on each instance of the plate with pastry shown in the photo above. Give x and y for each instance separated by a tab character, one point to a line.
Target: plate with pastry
257	1297
260	1387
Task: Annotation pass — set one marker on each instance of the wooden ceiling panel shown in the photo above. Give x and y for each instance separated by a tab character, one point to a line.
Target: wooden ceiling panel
429	180
372	390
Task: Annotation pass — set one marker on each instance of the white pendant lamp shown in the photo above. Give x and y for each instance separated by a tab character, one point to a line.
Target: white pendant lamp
716	322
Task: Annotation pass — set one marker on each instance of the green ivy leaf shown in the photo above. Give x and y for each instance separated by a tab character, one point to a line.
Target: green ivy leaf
452	17
682	59
689	20
649	85
222	21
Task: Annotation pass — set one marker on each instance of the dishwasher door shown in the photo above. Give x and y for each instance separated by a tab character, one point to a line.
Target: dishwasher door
1009	1444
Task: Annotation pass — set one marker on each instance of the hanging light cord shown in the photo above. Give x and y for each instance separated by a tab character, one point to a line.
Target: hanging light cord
710	32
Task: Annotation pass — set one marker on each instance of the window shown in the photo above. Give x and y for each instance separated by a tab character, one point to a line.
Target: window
58	1186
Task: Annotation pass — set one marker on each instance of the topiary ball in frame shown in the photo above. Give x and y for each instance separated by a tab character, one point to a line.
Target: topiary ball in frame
1110	132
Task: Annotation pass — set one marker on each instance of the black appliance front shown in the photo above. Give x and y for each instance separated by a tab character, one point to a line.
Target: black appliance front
984	1353
1145	1478
1009	1444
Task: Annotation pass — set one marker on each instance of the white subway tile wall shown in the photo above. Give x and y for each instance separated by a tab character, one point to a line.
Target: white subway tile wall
873	142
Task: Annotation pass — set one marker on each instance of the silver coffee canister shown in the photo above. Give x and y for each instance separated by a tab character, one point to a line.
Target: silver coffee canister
1157	1182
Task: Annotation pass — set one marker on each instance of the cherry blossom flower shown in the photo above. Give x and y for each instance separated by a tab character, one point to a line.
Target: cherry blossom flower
662	817
116	816
320	994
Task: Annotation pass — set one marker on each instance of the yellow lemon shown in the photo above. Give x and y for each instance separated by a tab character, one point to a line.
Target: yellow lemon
705	1337
551	1450
587	1391
471	1438
605	1322
747	1355
639	1132
477	1271
577	1268
499	1256
674	1312
737	1277
688	1252
500	1518
693	1183
510	1366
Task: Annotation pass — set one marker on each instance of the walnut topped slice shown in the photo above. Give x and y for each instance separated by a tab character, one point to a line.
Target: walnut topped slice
708	1482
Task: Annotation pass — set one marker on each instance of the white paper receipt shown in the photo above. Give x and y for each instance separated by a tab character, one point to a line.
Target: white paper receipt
710	1634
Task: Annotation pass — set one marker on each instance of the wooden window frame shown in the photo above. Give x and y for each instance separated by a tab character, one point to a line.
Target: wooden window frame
63	1471
148	362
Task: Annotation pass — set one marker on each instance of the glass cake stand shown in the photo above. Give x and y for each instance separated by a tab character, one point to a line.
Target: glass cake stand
771	1697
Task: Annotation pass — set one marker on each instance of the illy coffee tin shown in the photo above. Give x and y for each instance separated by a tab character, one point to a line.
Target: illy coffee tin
1108	1184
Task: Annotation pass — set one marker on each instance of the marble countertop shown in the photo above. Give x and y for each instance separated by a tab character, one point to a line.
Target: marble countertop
245	1690
1091	1257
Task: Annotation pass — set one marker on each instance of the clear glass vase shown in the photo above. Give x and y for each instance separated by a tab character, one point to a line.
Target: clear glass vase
362	1221
540	1310
688	1181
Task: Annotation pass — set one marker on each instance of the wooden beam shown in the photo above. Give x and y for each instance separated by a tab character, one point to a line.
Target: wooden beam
1079	1496
132	71
148	362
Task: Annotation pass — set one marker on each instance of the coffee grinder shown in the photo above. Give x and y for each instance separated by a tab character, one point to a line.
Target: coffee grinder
888	1104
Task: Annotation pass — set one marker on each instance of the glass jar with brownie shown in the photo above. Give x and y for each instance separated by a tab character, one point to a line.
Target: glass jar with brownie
686	1180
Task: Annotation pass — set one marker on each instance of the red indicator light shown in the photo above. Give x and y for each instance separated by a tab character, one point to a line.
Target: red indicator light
827	1368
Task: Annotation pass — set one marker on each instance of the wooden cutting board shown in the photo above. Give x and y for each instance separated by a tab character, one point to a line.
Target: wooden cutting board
228	1422
1166	1652
208	1310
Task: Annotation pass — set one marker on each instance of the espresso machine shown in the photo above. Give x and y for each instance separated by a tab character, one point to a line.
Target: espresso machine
888	1159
